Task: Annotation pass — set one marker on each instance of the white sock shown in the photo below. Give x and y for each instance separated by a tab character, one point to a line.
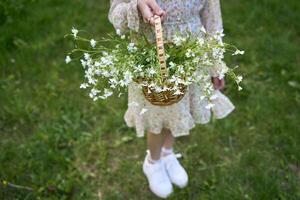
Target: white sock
151	160
166	151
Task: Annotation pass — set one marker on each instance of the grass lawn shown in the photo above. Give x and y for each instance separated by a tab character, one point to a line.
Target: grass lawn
58	144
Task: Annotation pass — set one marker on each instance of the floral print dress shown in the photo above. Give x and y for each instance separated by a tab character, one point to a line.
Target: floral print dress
182	16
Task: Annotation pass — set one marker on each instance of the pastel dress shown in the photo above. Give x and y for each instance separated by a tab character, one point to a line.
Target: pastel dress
182	16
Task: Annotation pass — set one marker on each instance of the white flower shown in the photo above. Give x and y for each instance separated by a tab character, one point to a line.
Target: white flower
83	63
123	37
93	43
189	53
222	71
113	82
240	88
118	31
238	52
218	53
131	47
143	111
239	79
107	60
213	97
74	32
97	64
224	68
178	92
86	56
202	98
138	68
158	89
68	59
207	62
166	88
203	29
167	56
220	33
221	76
178	40
172	65
107	93
151	71
209	106
201	41
180	69
84	85
173	79
218	36
127	78
94	92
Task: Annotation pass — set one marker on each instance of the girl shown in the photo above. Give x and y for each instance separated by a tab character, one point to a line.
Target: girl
164	123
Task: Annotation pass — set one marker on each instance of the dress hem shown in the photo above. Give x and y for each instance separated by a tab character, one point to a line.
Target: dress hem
181	134
141	134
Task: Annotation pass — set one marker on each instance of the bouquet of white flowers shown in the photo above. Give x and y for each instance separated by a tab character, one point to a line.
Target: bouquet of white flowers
112	63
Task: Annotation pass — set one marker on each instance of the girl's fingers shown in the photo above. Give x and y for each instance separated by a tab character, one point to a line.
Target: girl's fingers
162	17
146	13
148	16
157	10
150	8
151	20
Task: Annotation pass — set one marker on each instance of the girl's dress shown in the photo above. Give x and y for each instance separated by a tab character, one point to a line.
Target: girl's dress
183	16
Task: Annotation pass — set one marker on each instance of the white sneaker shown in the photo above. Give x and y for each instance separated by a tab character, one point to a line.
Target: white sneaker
176	172
158	179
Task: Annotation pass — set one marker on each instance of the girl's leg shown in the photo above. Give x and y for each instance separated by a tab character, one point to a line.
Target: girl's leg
168	142
154	168
155	142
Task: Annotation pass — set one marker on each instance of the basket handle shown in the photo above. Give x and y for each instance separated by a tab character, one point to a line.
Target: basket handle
160	47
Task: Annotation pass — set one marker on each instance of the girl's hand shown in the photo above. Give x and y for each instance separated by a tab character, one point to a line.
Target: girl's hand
219	84
149	8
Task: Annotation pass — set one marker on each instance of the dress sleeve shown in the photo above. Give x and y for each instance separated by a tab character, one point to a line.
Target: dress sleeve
212	21
211	16
124	15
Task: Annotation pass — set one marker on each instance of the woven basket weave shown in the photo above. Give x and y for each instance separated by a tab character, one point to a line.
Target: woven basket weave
163	98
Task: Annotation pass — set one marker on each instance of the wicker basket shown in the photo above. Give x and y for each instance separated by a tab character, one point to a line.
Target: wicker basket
163	98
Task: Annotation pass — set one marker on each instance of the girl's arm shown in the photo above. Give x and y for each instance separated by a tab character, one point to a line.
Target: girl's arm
123	14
